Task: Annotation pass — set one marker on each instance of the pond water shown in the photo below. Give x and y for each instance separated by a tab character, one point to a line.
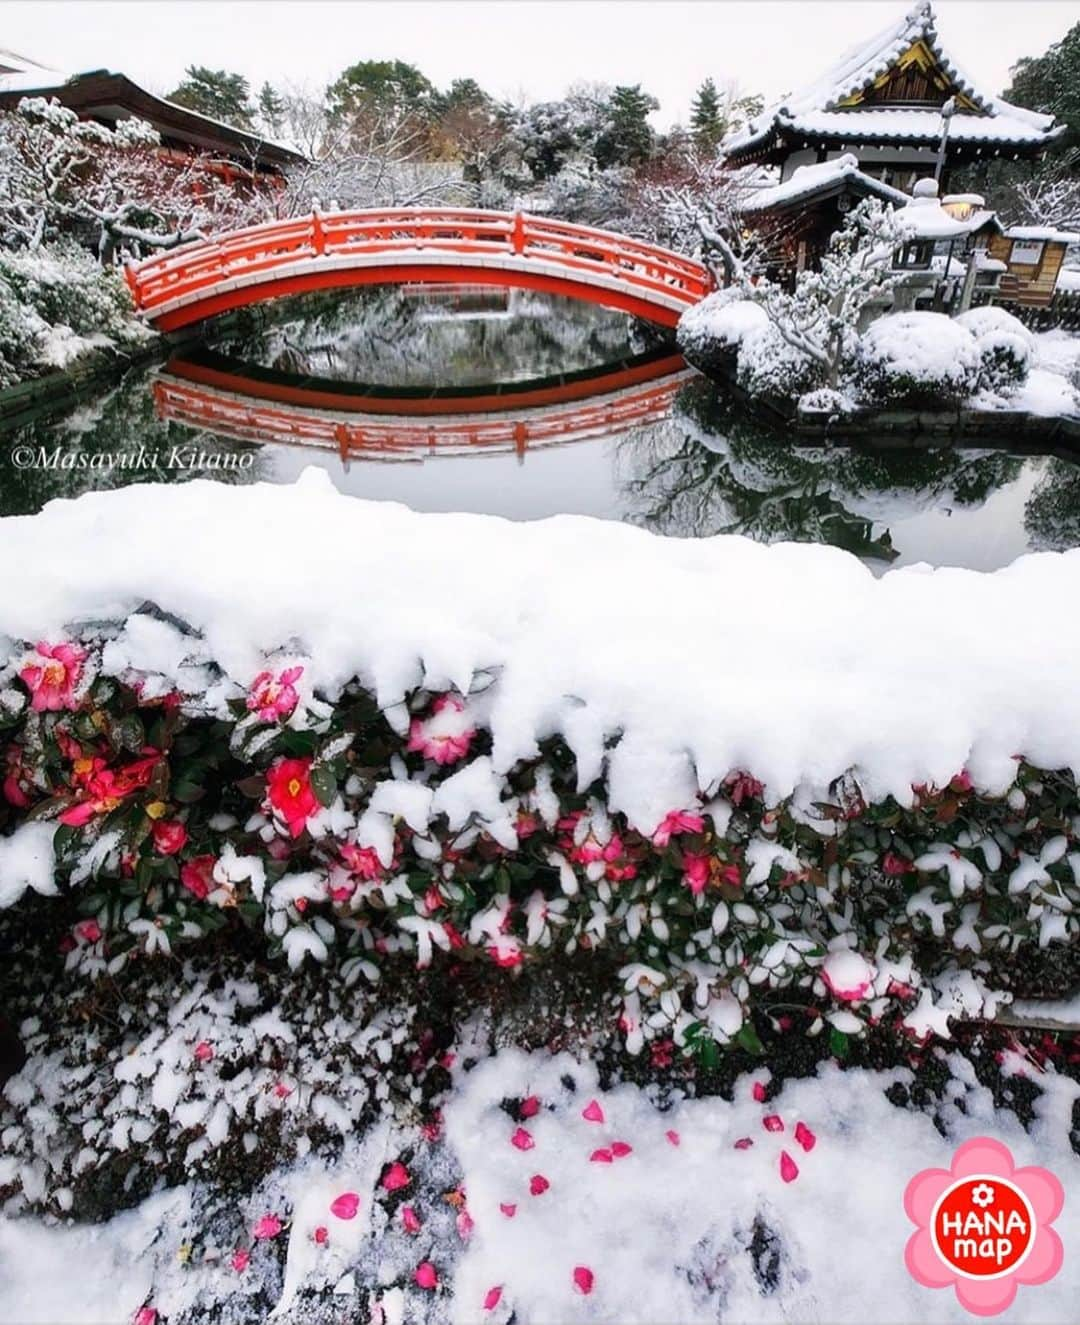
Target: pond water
525	406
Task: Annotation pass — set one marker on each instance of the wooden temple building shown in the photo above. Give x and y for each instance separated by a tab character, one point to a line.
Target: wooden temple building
882	102
109	97
894	113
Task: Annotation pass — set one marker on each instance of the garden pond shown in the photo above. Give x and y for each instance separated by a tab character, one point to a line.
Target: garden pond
525	406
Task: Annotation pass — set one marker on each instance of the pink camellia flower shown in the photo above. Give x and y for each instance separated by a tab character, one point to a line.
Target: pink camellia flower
273	698
444	736
695	871
673	1137
522	1139
321	1235
364	862
583	1279
772	1122
983	1226
240	1260
169	836
758	1091
508	1209
204	1052
269	1226
492	1297
848	975
674	823
197	876
345	1206
281	1090
961	781
538	1184
89	931
426	1275
592	1112
396	1177
145	1316
529	1107
741	786
506	952
410	1219
789	1170
51	674
620	1149
894	865
290	793
805	1137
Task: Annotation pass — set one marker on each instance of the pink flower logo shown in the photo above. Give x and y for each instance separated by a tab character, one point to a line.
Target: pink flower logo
983	1226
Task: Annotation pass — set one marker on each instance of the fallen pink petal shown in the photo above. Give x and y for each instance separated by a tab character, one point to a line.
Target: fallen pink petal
345	1206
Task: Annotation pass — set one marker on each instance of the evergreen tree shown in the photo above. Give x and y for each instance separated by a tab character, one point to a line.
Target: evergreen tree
627	138
1051	83
706	116
272	110
388	90
217	93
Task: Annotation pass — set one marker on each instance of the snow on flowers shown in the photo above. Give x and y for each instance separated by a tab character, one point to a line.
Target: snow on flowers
344	832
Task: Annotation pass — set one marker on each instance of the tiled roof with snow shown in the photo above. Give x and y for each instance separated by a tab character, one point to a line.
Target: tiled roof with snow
808	181
818	109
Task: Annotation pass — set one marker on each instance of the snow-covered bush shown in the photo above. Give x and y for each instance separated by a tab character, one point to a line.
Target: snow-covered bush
66	286
710	332
918	360
22	330
188	806
56	304
1006	347
769	365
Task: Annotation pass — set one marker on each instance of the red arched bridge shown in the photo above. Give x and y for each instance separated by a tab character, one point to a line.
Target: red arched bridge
414	246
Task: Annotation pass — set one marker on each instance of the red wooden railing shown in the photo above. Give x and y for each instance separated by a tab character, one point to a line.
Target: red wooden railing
325	250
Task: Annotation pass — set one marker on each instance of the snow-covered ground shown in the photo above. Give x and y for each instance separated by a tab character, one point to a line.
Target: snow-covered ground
548	1200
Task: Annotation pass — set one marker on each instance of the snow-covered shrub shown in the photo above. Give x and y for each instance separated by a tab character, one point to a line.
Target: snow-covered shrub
188	806
68	287
710	332
769	365
22	330
1006	347
227	1059
922	360
56	304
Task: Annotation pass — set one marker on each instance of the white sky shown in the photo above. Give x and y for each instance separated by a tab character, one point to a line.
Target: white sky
514	46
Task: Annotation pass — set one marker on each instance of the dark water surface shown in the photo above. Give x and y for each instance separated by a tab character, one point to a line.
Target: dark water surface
522	405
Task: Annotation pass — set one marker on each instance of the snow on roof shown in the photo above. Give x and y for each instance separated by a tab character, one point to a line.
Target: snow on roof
811	109
925	218
17	72
810	180
1050	232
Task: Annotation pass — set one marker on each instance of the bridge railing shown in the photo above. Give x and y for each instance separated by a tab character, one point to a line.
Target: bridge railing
199	269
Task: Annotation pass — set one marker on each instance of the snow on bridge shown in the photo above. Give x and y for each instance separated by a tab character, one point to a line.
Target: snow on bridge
409	246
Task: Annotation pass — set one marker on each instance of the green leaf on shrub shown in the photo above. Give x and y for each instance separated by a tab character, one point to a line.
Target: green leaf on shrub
748	1039
839	1043
324	784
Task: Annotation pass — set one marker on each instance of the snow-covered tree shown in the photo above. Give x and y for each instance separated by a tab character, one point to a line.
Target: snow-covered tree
59	173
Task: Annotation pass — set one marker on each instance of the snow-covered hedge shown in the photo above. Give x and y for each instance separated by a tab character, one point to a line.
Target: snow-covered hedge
56	305
1006	348
711	331
917	359
460	748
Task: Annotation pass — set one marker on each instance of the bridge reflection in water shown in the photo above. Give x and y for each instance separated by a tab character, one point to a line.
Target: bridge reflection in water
249	403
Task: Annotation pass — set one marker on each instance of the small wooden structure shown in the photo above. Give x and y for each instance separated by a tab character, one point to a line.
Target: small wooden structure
1033	256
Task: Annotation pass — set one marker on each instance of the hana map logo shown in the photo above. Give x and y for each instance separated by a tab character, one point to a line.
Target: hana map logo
983	1226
